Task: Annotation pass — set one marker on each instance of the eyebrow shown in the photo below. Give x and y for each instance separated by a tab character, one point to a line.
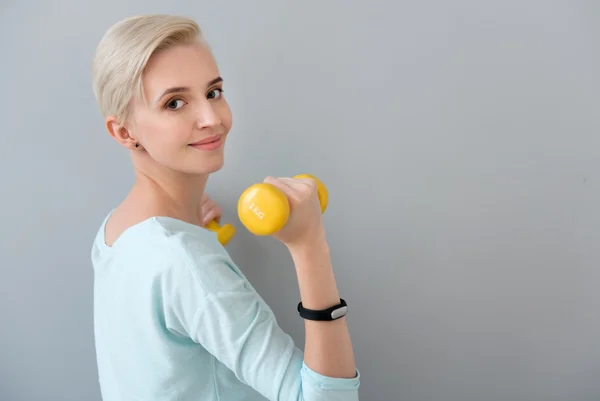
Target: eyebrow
185	88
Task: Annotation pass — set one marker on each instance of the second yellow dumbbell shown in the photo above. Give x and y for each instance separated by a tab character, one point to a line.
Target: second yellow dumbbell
224	232
263	209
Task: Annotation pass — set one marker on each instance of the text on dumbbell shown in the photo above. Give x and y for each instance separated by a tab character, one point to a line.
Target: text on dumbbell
256	210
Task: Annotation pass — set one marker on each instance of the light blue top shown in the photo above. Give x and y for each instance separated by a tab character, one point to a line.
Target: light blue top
175	319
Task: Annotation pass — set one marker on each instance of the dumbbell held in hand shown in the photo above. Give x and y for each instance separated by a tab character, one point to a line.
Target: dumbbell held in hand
264	209
224	232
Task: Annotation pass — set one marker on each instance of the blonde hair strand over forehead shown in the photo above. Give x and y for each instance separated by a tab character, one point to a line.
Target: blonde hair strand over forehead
124	51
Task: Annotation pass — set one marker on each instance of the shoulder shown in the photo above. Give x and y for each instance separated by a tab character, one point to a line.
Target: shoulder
186	238
172	256
196	258
198	281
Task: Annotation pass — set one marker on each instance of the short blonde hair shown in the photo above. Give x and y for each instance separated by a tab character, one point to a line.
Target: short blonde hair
124	51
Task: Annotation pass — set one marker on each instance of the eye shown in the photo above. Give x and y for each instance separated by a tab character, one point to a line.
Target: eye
215	93
175	104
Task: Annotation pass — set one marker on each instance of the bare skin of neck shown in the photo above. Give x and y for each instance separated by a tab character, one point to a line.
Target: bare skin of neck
158	193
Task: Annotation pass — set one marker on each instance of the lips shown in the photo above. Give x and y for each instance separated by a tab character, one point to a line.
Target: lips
209	139
209	143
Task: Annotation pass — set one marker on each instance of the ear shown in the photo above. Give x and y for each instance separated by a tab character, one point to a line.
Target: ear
120	133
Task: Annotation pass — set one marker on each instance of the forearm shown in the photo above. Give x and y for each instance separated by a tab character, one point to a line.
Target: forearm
328	348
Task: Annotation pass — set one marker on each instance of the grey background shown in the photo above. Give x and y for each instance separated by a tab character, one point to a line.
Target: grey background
460	143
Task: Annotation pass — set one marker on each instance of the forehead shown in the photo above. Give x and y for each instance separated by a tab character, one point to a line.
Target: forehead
182	65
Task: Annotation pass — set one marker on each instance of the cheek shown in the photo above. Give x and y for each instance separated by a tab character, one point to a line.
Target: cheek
167	132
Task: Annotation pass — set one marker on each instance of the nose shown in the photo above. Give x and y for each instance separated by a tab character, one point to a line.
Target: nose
207	116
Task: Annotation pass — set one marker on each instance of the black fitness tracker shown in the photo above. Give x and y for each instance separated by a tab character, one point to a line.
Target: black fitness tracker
333	313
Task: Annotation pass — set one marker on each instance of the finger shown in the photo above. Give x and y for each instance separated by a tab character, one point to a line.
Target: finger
292	183
210	213
207	218
302	182
208	204
281	183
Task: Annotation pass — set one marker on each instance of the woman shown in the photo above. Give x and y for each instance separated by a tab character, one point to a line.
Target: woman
175	318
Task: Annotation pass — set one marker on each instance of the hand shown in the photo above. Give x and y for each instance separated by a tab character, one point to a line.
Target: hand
210	210
305	224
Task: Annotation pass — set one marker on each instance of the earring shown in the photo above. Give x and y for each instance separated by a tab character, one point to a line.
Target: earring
137	145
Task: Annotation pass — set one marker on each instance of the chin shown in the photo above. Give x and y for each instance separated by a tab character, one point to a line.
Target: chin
209	166
215	168
200	162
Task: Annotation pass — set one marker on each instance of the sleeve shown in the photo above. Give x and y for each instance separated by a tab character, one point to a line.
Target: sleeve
212	303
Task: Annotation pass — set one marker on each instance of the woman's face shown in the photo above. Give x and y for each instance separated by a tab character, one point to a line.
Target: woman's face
185	119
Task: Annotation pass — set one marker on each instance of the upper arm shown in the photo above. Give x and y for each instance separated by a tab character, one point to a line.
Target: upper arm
211	302
206	299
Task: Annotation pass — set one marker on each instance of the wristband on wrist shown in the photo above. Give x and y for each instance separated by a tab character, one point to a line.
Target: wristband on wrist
329	314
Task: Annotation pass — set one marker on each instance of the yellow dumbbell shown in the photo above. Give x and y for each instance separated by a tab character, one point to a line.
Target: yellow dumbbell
264	209
224	232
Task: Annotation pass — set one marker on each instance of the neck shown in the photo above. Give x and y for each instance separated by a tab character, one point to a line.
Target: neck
175	194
